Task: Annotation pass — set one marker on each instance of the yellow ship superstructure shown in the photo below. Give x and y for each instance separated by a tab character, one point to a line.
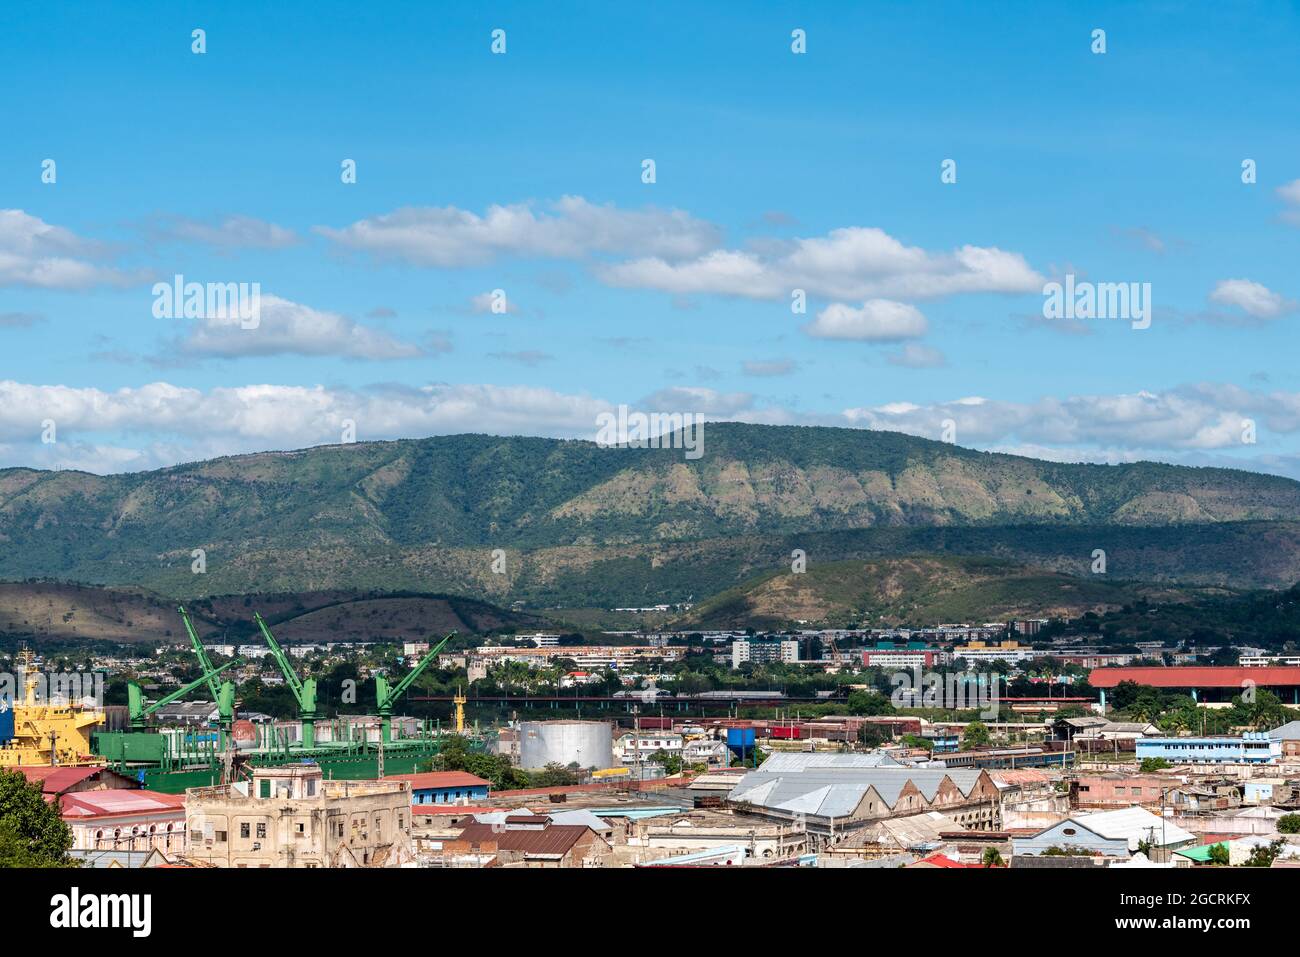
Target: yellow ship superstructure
48	733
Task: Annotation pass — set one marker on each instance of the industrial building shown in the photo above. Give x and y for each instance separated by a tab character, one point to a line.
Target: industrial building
833	793
1205	682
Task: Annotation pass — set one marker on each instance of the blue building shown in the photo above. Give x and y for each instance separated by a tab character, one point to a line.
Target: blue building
445	787
1252	747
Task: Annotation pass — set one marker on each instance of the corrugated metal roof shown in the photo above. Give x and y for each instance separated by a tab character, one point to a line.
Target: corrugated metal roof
803	760
1287	732
837	791
552	840
440	779
1197	676
55	780
1134	824
116	801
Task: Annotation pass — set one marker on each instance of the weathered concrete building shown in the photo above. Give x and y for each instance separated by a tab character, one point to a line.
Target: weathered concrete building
292	817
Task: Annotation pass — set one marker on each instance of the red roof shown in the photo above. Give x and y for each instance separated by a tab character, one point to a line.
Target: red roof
56	780
553	839
1197	676
940	860
453	810
116	802
441	779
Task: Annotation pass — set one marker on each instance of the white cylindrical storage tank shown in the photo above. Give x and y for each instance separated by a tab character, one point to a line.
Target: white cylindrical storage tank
589	744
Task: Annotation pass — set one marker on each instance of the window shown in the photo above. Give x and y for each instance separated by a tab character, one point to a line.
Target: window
261	829
264	788
244	831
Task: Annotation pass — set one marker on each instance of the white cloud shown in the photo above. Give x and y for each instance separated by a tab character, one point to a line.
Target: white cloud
246	232
876	320
290	328
1252	298
573	228
482	304
1289	193
1202	416
34	253
916	356
709	402
847	264
172	423
768	367
182	423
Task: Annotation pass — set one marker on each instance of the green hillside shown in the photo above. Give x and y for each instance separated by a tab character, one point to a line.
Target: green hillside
916	591
582	525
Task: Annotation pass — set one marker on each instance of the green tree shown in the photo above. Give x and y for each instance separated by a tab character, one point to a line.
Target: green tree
672	764
1149	765
868	703
992	857
1219	855
976	735
1289	824
1265	854
870	736
32	834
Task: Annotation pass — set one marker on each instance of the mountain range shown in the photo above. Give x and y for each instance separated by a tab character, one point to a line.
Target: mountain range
545	522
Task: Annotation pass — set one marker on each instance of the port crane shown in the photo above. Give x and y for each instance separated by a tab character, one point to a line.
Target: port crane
304	689
139	711
223	692
386	696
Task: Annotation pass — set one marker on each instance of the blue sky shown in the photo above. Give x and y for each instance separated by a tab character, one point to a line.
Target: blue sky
774	171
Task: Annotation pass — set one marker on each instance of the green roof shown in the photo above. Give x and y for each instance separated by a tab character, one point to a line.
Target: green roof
1200	853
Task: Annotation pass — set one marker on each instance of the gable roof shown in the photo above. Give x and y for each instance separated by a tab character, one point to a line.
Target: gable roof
441	779
553	840
1287	732
1135	824
837	791
55	780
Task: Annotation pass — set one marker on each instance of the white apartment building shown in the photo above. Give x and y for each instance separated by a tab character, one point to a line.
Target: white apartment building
639	746
743	650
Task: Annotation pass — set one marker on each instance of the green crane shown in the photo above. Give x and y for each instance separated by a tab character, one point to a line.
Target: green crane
385	696
304	689
137	709
222	693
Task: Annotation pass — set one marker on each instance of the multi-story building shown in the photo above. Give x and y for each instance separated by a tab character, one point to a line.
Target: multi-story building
762	650
1009	651
1251	747
125	819
902	658
291	817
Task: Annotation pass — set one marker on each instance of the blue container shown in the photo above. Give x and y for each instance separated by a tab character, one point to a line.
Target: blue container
740	738
6	721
